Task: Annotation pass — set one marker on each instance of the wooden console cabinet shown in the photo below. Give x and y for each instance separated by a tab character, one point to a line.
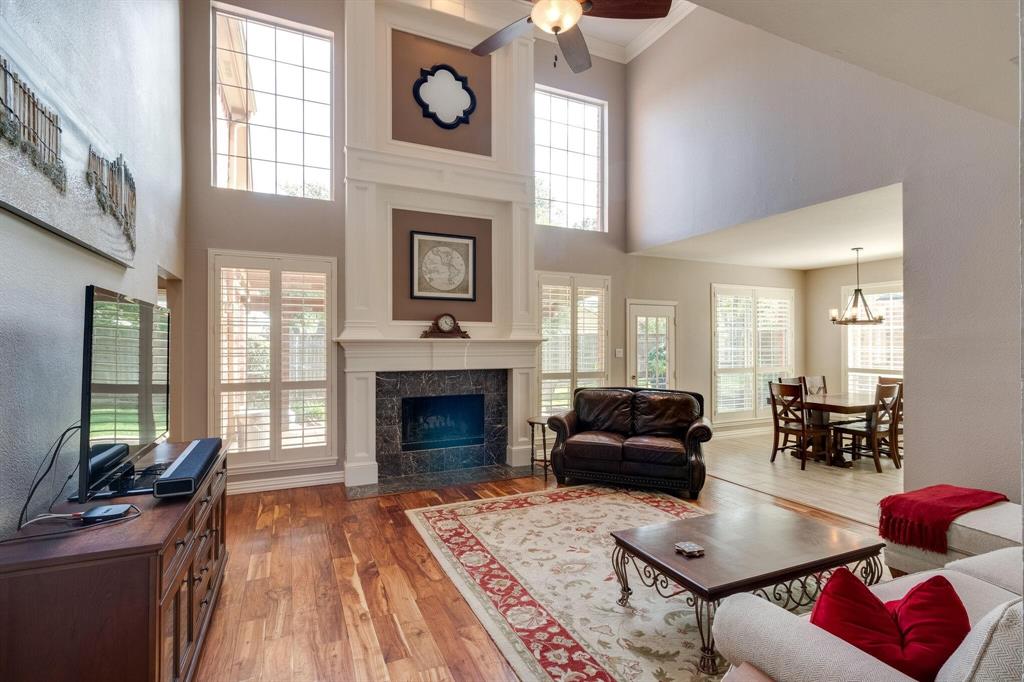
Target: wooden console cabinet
130	601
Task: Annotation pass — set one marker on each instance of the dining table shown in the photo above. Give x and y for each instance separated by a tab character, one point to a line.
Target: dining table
823	404
842	403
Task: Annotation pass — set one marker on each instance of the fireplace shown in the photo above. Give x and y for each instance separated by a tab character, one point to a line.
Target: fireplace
444	421
434	421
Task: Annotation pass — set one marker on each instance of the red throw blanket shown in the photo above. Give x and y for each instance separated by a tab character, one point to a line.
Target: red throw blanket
921	518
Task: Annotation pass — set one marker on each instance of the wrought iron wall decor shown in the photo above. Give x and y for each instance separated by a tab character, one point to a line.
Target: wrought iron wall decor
115	191
29	125
444	96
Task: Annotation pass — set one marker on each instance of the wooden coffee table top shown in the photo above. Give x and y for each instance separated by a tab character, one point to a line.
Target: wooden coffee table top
745	549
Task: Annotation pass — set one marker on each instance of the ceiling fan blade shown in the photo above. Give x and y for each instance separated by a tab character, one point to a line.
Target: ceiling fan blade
629	9
503	37
574	49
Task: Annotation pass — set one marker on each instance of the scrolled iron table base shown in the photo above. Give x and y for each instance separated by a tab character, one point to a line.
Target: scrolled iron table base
793	594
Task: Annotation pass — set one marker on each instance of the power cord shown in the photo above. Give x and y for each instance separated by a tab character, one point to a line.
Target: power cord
69	531
37	479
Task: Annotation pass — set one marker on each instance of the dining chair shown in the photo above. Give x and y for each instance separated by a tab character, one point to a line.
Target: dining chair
881	432
790	419
896	380
790	381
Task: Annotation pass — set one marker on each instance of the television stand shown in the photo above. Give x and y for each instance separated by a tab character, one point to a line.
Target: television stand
128	601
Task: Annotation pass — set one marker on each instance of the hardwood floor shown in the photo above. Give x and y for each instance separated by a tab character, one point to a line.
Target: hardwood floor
852	493
319	587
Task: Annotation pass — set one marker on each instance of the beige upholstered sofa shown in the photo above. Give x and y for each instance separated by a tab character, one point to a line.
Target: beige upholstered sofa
982	530
787	648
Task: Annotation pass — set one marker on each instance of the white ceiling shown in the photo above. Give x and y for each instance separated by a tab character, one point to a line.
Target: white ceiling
817	236
619	40
959	50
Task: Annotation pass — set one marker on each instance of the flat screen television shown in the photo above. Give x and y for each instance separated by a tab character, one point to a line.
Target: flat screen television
124	390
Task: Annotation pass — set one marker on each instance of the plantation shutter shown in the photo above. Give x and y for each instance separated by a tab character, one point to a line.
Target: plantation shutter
774	325
273	390
574	325
753	345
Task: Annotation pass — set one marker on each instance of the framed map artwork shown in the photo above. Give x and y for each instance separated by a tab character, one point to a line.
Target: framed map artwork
443	266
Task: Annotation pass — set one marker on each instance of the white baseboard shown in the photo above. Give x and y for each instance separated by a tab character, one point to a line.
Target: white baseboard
742	432
281	482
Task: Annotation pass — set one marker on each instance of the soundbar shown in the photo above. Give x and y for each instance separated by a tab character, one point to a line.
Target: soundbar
182	477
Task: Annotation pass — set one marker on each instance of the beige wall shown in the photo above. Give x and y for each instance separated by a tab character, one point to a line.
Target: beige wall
232	219
135	104
687	282
823	354
728	123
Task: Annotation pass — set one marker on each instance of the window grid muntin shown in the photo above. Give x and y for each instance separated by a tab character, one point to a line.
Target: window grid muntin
591	176
308	171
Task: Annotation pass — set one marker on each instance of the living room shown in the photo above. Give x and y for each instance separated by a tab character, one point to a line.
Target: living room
390	258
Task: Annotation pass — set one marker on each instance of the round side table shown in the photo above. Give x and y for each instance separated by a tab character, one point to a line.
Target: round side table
544	461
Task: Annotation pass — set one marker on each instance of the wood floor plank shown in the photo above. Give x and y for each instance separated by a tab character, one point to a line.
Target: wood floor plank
319	587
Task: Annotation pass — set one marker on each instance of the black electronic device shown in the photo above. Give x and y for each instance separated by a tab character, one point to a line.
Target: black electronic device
182	477
124	391
105	512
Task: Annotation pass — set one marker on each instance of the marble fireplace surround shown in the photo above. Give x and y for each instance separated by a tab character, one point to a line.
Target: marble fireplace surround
392	387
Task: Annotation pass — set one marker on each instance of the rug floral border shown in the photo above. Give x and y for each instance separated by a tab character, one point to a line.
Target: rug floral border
501	601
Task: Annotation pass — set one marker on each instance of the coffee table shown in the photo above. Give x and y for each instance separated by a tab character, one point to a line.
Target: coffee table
773	552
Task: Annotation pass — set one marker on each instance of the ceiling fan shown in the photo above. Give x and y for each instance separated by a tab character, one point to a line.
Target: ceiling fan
560	18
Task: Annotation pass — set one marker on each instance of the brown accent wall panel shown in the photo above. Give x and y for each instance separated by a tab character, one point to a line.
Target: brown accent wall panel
409	54
403	306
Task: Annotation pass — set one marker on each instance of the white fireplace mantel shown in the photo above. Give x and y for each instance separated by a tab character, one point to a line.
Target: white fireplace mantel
412	354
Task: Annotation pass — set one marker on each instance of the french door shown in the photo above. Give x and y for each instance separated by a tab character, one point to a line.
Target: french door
651	344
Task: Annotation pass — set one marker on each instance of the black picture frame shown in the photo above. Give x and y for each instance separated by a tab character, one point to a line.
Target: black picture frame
414	262
427	113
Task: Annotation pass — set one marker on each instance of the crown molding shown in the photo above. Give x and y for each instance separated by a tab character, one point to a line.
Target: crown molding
496	15
680	10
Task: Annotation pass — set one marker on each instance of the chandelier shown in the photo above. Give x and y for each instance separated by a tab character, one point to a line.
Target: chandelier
857	310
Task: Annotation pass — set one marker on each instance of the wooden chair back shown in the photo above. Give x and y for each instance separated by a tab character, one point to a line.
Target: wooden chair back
815	385
887	407
788	406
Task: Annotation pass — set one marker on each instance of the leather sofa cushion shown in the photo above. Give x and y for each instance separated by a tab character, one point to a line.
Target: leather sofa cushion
604	409
654	450
663	413
591	445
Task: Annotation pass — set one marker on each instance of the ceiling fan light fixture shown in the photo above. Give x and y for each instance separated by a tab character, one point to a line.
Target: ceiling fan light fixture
556	16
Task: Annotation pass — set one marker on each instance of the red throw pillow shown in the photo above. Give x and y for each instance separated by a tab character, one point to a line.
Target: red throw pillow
914	635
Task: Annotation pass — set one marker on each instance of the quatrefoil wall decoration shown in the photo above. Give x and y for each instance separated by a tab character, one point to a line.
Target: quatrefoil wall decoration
444	96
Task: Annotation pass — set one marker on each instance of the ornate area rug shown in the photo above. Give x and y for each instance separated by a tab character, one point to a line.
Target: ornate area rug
537	570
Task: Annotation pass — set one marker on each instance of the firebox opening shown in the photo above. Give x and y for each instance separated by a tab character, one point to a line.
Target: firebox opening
444	421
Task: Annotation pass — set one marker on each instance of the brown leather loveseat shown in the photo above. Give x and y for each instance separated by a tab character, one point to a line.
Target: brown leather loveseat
633	436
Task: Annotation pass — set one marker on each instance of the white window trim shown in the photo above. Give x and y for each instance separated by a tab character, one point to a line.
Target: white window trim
573	280
243	463
844	334
604	151
749	416
244	13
